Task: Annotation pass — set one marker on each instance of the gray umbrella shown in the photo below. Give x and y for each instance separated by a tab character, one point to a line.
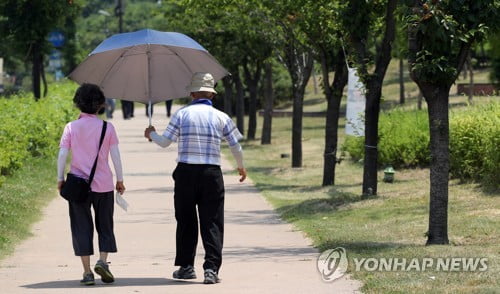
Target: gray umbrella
146	66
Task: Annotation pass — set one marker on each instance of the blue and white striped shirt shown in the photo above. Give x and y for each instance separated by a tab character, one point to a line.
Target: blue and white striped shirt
199	128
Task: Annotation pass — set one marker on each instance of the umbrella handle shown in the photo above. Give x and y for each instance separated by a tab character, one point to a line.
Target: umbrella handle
149	112
149	115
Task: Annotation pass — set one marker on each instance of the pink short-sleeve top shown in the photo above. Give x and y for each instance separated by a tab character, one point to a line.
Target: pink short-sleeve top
82	138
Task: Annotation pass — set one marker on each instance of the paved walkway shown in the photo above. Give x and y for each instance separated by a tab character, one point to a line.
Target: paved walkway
262	254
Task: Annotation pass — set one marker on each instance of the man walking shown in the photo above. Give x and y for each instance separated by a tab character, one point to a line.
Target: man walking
199	129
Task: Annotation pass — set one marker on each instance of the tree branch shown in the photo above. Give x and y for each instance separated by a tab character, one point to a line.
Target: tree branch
384	55
462	57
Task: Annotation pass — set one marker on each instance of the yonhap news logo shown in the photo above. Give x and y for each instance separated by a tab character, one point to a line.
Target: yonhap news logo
439	264
333	263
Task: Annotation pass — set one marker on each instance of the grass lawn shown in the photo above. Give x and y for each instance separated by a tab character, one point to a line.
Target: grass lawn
23	196
393	225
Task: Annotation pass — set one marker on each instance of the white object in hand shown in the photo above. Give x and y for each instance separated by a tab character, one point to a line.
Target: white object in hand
121	202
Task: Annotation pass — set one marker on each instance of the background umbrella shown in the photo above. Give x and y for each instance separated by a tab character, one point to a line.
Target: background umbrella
146	66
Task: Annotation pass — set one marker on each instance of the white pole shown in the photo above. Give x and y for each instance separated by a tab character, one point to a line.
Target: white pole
149	112
149	84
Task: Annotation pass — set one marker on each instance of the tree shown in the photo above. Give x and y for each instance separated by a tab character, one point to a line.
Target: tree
268	103
319	21
234	32
400	49
370	26
440	35
297	56
252	79
28	24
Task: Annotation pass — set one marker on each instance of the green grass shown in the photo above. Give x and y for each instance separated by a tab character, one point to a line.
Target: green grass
391	225
23	196
27	186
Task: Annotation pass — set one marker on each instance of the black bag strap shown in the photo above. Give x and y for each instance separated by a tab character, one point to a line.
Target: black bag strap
103	133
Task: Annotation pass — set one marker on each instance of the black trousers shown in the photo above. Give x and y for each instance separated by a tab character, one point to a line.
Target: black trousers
82	227
127	109
202	186
168	105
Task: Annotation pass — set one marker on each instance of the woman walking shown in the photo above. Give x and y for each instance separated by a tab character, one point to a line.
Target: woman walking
82	138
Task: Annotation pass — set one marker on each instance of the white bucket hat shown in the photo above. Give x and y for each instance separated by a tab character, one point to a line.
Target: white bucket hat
202	82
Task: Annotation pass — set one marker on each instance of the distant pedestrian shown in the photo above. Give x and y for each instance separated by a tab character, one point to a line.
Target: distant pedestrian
199	129
127	109
81	137
169	107
110	107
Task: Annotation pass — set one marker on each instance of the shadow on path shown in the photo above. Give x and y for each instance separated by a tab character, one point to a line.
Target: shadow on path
119	282
252	217
255	253
366	248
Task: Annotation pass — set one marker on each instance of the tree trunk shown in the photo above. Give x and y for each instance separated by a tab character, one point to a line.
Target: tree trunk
315	82
228	95
401	82
44	79
252	81
299	63
69	49
298	110
299	81
268	104
373	84
298	105
372	110
419	100
119	10
36	70
437	102
471	80
240	105
333	96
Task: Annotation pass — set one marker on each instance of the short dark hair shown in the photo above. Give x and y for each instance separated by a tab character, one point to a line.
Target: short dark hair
89	98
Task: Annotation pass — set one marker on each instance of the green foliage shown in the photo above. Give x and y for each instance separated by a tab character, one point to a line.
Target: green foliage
403	140
363	27
281	84
30	129
231	30
474	141
355	146
31	21
25	25
95	25
441	33
429	67
495	56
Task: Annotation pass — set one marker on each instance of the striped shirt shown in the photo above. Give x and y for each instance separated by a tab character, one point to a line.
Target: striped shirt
199	128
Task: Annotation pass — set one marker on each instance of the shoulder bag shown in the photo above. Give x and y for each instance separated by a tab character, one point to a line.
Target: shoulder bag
76	189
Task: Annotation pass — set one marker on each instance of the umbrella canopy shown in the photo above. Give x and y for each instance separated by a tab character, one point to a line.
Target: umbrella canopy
146	66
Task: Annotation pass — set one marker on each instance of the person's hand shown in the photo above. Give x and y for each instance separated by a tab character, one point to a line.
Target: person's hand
243	173
120	187
60	184
148	131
